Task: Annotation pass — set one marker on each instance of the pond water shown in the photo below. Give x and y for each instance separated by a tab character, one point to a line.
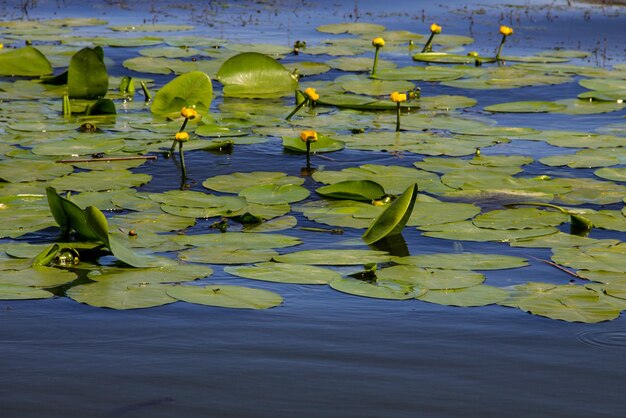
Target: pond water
323	353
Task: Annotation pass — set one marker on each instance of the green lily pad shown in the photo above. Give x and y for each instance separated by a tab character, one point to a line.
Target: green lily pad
226	255
370	290
93	181
433	213
272	194
344	213
79	146
467	231
334	257
352	27
525	107
193	89
594	258
365	190
586	107
31	170
122	295
323	144
238	240
429	279
37	277
428	73
567	302
226	296
236	182
27	61
520	218
151	28
285	273
480	295
615	174
166	274
254	75
463	261
19	292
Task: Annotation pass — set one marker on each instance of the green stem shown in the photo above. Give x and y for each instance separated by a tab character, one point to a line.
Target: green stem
308	154
67	106
398	117
427	46
375	61
146	93
293	112
182	160
182	127
172	148
500	47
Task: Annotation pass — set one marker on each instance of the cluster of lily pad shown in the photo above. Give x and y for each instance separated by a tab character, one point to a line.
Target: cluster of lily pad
58	175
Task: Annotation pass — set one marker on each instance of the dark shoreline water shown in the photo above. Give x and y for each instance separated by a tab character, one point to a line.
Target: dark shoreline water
325	354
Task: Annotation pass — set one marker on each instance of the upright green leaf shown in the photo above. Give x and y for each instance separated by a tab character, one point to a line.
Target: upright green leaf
27	61
193	89
87	76
393	219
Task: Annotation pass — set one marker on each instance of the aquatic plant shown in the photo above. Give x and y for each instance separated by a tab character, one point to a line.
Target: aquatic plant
377	43
505	31
435	29
398	99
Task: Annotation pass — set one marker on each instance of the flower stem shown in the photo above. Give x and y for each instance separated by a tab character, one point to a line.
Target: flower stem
293	112
182	160
308	154
500	47
375	61
398	117
427	46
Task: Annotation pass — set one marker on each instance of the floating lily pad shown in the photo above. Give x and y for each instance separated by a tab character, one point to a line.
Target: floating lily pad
238	240
463	261
93	181
371	290
480	295
365	190
567	302
600	258
428	278
236	182
272	194
226	255
167	274
31	170
122	295
467	231
226	296
285	273
354	28
19	292
323	144
520	218
334	257
615	174
525	107
37	277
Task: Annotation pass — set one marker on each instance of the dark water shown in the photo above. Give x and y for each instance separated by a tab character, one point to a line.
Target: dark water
323	353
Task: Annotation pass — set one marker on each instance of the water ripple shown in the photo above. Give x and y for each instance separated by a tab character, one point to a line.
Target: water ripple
603	338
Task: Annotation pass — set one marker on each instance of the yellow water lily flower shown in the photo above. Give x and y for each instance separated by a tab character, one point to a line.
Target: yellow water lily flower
189	113
435	28
506	31
308	136
312	94
181	137
398	97
378	42
1	46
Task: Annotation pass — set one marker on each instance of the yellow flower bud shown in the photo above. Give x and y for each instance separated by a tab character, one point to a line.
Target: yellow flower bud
398	97
311	94
506	31
473	54
189	112
1	46
435	28
182	137
378	42
308	136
